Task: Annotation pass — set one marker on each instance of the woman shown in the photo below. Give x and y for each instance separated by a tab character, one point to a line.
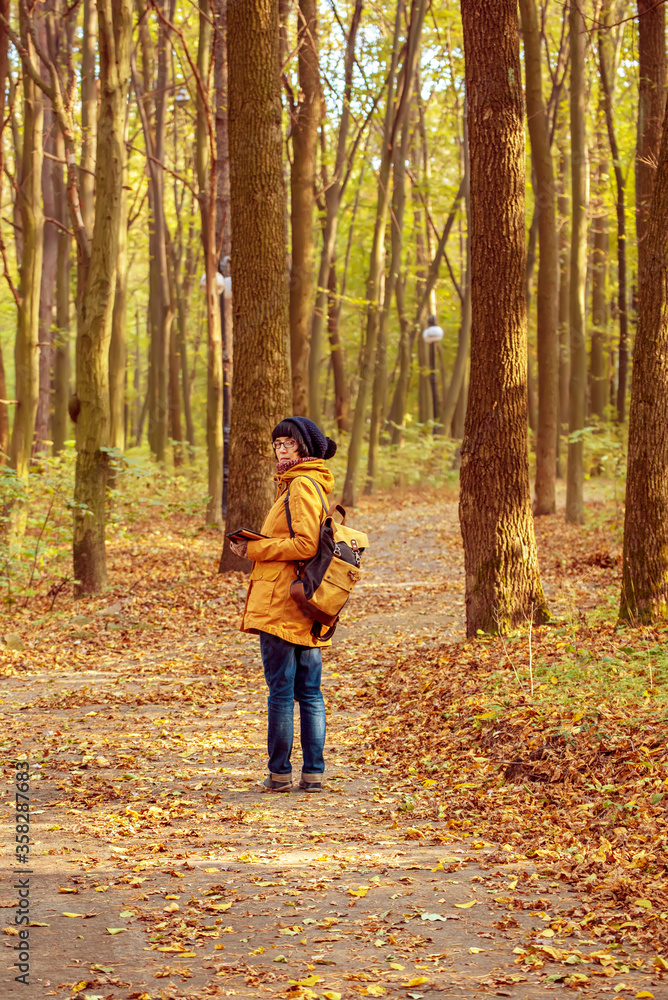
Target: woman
290	653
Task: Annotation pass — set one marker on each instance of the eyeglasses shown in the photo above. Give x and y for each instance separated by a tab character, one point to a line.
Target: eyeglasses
286	445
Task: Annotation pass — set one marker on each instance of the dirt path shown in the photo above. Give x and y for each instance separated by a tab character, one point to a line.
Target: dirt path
159	869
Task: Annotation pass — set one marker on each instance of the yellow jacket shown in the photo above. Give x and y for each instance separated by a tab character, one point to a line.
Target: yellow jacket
269	607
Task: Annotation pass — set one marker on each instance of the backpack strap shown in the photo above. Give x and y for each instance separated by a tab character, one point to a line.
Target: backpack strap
286	502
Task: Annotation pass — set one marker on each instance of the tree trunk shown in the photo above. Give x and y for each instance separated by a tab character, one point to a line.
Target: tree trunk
332	197
548	268
379	396
26	351
598	383
503	588
564	205
620	207
393	121
644	596
62	366
261	383
223	224
118	341
578	271
115	39
206	180
651	109
47	293
341	388
306	116
89	47
4	73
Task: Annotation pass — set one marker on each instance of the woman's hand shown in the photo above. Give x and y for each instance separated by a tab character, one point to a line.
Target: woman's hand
240	548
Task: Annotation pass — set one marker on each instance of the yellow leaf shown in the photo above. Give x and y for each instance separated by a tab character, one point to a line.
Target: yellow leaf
645	993
475	951
80	986
486	715
428	782
646	904
67	890
258	951
115	930
418	981
172	908
72	914
397	965
375	990
661	963
309	981
331	995
362	891
466	906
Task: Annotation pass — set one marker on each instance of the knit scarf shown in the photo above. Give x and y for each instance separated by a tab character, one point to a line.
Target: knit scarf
289	463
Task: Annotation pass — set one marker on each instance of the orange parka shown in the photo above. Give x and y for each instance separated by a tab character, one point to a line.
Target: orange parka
269	607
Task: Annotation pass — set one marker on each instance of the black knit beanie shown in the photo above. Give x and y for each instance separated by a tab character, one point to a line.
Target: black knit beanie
318	445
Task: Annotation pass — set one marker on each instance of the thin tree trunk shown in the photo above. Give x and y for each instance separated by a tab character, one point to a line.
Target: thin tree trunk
564	206
341	388
89	46
393	121
332	197
261	385
26	352
578	271
117	343
599	294
548	268
305	114
379	395
223	224
49	274
644	594
620	207
89	556
4	73
651	109
503	588
62	365
530	267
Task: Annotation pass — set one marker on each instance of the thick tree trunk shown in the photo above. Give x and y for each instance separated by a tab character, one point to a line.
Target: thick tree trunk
115	38
578	271
651	109
305	120
644	596
26	351
393	121
548	268
261	383
503	588
620	207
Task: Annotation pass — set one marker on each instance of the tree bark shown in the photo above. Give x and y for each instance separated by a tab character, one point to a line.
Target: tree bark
261	381
393	121
620	207
548	268
644	595
89	46
47	293
578	270
89	556
503	588
223	224
305	114
4	73
651	109
341	388
117	343
62	365
26	351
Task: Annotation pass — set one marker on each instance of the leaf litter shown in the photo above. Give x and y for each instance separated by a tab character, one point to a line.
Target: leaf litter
149	740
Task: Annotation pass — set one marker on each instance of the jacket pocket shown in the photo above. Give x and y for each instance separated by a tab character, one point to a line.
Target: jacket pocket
263	582
269	571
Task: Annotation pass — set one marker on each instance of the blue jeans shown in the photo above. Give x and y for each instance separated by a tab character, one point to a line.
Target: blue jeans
293	674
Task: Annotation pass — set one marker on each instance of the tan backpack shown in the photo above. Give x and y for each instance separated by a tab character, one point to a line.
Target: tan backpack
324	583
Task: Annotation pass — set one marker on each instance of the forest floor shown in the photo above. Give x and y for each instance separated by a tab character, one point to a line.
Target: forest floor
493	822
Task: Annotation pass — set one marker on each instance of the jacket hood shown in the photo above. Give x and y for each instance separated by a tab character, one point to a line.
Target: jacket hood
315	468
